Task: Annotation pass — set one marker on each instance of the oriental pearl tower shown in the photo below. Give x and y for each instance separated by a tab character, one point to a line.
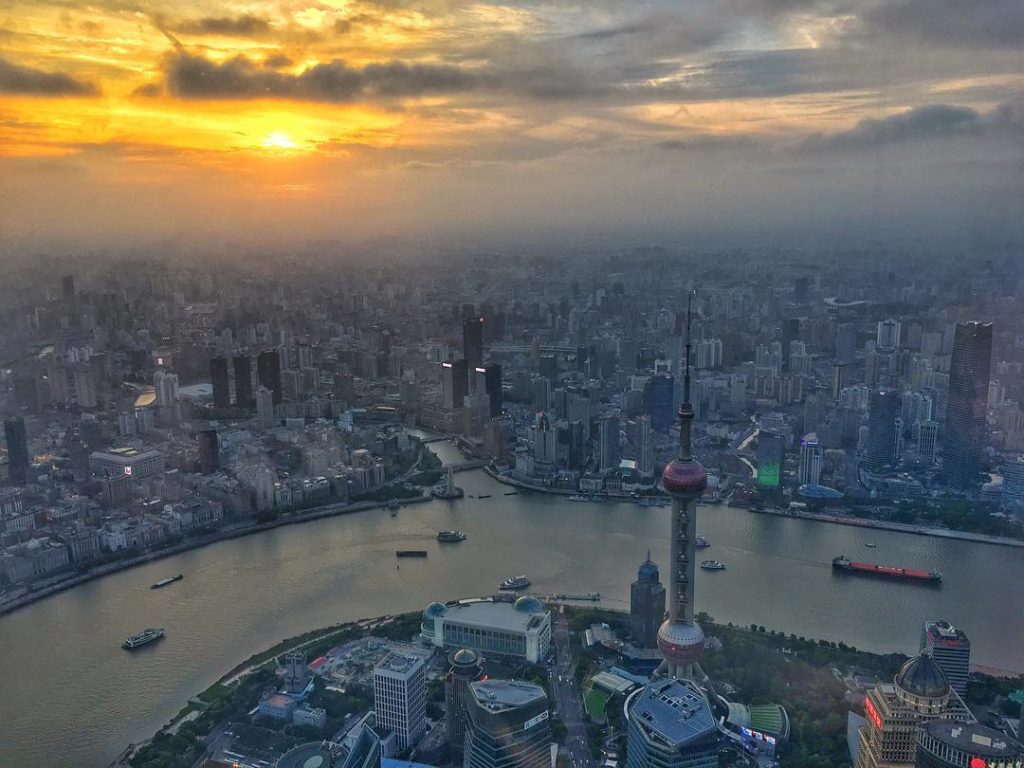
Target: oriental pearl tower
680	638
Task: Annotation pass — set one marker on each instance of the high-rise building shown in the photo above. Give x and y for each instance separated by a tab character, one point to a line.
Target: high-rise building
399	697
670	725
454	382
790	333
166	385
659	393
846	343
927	440
243	381
1013	484
644	446
464	667
492	387
84	377
473	341
209	451
219	381
966	405
883	409
268	372
955	744
918	694
507	726
811	454
681	639
647	604
769	460
17	450
888	335
608	444
545	443
265	407
951	650
872	363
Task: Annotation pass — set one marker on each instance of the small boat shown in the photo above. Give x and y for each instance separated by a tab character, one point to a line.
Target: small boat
712	565
701	543
451	536
145	637
410	553
870	544
579	497
511	493
167	581
514	582
484	496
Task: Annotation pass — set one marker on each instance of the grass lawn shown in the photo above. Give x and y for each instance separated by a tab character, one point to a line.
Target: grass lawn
595	700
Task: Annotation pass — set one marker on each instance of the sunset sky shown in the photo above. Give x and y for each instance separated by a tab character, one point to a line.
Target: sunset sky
122	121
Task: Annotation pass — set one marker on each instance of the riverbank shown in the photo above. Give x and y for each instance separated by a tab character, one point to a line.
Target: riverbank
885	525
225	534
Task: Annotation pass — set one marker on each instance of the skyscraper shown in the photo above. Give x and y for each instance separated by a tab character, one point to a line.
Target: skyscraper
473	341
219	380
769	460
608	444
209	452
680	639
644	446
658	395
166	385
399	697
846	343
951	649
243	381
464	667
453	383
670	725
810	460
507	725
265	407
883	408
956	744
790	333
17	450
647	604
967	403
268	371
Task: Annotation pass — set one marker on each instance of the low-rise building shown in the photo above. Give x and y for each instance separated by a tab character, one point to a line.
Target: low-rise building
277	706
33	559
311	716
497	629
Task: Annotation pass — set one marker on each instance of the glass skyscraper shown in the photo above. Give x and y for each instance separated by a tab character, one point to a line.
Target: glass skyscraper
967	403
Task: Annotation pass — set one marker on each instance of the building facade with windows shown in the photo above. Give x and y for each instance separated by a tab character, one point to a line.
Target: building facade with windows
399	697
495	628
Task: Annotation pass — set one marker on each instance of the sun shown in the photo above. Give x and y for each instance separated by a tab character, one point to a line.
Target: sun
278	140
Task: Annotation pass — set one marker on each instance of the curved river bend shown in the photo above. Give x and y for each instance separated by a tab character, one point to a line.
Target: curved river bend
72	696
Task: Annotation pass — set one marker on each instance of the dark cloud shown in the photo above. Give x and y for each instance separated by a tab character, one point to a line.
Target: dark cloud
228	26
149	90
934	121
277	61
195	77
15	78
953	22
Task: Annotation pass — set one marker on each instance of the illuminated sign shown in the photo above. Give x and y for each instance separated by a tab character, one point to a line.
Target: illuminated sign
128	470
980	762
159	361
872	714
535	720
768	474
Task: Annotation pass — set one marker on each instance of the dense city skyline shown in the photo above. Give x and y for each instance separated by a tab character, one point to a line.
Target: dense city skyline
359	119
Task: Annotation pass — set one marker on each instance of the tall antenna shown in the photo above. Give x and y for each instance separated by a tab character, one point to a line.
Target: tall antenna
686	409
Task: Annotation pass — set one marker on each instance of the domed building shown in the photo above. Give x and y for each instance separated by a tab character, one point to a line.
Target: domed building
894	714
529	604
430	614
465	666
497	628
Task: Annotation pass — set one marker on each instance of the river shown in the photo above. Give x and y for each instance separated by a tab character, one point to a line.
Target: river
73	697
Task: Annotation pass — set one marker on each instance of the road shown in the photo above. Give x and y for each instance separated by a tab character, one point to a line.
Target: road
567	697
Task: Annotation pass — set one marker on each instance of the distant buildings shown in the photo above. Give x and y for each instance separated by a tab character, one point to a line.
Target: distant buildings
507	726
966	405
220	382
166	385
811	456
399	697
473	342
17	450
497	629
265	407
646	604
609	453
670	725
883	409
135	463
464	667
454	383
268	372
951	650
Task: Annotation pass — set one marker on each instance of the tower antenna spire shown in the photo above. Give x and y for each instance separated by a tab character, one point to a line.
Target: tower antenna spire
686	409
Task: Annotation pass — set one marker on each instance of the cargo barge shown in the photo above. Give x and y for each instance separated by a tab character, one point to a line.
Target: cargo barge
843	563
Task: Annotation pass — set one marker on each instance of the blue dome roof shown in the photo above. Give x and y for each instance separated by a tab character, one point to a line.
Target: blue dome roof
434	610
921	676
529	604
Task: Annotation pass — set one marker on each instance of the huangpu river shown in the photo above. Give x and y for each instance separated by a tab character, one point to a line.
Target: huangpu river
73	697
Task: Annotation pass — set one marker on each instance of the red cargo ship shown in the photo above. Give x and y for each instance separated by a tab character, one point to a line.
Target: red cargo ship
843	563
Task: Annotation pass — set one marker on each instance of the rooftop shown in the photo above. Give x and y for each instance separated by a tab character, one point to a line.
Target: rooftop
672	711
399	662
974	738
497	615
500	695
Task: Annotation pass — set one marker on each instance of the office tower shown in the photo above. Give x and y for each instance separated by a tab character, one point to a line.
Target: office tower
243	381
85	386
17	450
883	408
659	393
545	443
871	368
507	726
951	650
790	333
268	373
541	393
166	385
399	697
492	387
846	343
265	407
888	335
919	694
811	454
647	604
578	408
291	384
363	750
769	460
966	403
453	383
608	444
464	667
219	381
927	438
680	639
644	446
1013	484
956	744
473	341
670	725
209	451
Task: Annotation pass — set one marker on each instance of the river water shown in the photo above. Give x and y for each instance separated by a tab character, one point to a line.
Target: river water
73	697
